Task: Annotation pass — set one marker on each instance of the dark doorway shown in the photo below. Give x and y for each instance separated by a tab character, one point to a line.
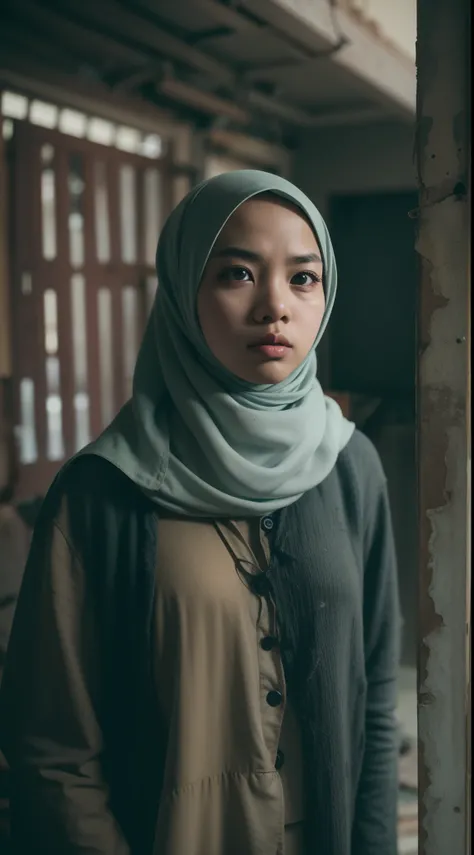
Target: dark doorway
373	353
374	320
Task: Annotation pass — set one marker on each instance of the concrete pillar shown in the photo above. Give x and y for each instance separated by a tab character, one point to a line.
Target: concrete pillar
444	459
5	325
5	314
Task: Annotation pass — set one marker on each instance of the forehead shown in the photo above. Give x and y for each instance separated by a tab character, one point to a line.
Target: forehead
267	217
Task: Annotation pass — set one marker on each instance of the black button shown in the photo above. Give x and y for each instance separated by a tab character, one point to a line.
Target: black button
267	523
274	698
260	584
280	759
268	642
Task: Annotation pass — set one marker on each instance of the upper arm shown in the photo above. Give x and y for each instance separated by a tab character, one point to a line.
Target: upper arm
371	523
381	613
375	822
382	623
53	706
50	708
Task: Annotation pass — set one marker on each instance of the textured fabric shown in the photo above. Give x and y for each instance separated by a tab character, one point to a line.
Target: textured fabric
294	839
204	580
14	542
196	438
91	774
251	550
206	619
15	539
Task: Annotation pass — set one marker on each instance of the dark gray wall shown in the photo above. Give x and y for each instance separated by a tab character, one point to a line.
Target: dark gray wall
362	179
373	352
370	158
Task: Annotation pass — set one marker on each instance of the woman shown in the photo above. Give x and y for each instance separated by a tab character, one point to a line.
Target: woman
204	657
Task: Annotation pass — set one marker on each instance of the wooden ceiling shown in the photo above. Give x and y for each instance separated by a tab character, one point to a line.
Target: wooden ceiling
206	59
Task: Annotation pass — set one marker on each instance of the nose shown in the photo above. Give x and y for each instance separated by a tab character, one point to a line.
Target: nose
271	304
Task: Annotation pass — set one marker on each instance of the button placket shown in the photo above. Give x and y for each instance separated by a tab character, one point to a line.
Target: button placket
270	679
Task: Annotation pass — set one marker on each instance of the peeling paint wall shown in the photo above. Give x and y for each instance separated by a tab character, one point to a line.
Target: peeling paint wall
443	155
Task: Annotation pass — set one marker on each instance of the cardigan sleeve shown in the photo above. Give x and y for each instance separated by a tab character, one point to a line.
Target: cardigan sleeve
49	709
375	823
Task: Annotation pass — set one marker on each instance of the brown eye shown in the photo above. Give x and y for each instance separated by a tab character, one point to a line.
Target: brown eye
235	274
305	279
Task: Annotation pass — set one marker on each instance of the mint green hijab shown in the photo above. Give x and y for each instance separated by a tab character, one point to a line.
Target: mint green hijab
195	438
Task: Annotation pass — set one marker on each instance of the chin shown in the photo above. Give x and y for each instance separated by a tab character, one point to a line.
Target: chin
267	373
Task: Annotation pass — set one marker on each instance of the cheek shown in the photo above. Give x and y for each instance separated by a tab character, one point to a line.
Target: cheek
311	317
218	311
216	321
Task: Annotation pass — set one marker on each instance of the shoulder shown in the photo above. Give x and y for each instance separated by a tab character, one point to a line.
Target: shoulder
359	463
91	500
356	485
349	495
91	481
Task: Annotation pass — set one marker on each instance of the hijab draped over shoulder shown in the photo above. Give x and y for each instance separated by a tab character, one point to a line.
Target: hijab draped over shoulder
195	438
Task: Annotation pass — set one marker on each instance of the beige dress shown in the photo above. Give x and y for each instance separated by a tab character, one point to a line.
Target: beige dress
221	688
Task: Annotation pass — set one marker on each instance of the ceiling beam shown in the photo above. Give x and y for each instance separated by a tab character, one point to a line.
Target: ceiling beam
221	14
117	19
202	101
256	102
145	66
248	148
353	115
285	112
15	36
113	16
236	19
382	74
57	27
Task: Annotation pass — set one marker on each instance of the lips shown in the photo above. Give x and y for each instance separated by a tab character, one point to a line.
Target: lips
272	339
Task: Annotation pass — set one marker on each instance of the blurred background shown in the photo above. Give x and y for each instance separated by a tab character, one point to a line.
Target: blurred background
110	112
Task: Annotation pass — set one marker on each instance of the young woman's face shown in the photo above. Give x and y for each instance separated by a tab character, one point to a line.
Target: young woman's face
261	298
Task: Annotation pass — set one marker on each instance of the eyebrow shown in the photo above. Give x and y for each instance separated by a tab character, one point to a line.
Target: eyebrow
248	255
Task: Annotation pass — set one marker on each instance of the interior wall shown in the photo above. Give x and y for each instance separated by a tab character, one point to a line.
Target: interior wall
373	352
335	161
363	159
375	163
